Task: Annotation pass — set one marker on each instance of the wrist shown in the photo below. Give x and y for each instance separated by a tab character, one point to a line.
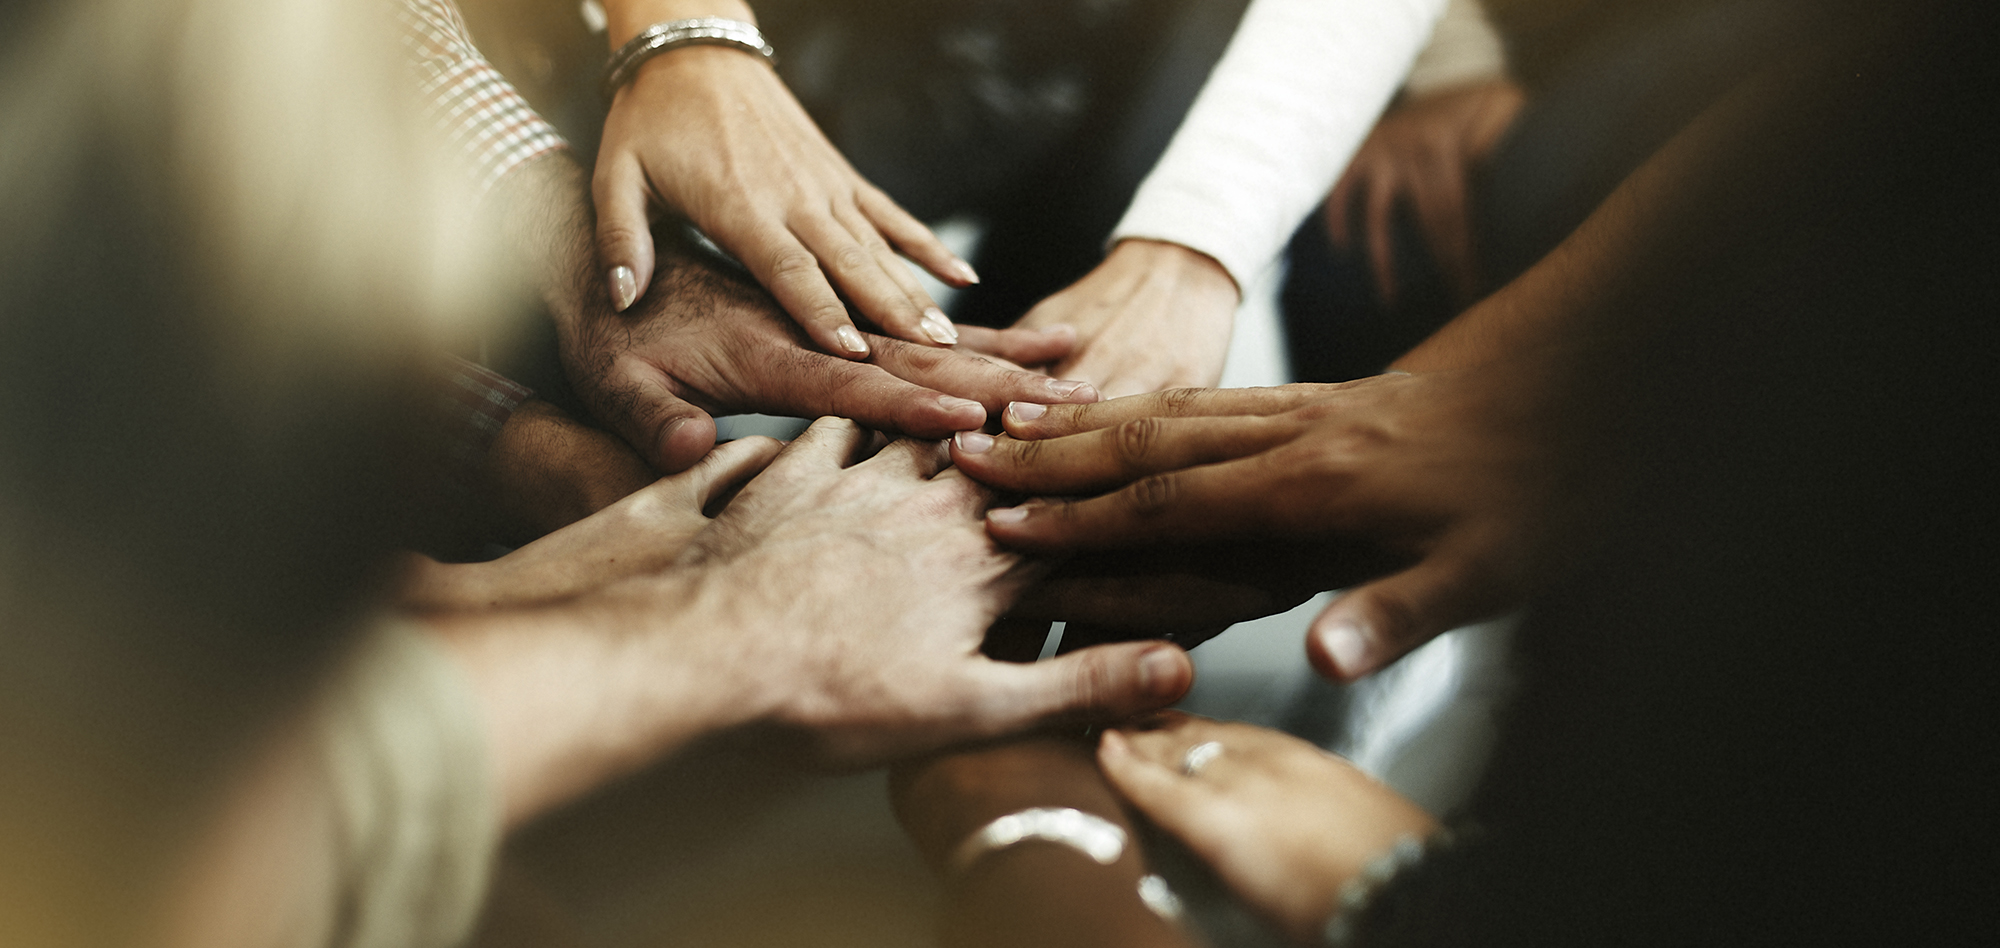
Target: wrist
1193	270
625	18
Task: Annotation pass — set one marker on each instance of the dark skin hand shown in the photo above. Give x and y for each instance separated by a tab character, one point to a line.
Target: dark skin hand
1033	893
1423	153
1442	475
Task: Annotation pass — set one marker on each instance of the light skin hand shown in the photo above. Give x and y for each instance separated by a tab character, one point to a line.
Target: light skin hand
1284	823
1442	476
1424	152
844	600
1152	316
644	532
713	133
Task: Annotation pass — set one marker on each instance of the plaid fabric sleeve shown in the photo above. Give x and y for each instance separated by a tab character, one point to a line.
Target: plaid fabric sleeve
473	404
480	113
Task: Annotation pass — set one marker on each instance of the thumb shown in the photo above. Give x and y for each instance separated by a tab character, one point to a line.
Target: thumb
730	466
1374	624
671	434
1099	683
624	234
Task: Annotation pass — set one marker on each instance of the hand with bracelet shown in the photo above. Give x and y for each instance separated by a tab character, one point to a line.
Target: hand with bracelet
708	129
1034	847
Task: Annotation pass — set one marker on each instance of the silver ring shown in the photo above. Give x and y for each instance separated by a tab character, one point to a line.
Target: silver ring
1199	756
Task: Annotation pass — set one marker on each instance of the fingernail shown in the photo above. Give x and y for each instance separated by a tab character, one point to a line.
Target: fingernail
965	271
972	442
1007	514
1160	672
1026	411
851	340
1348	646
1080	391
956	405
624	288
938	326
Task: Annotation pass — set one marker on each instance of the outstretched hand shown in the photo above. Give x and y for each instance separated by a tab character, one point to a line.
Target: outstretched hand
1446	477
869	586
1153	315
714	134
703	341
1284	823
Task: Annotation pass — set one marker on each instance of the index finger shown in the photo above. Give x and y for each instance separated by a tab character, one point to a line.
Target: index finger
793	275
1240	498
1035	422
1099	460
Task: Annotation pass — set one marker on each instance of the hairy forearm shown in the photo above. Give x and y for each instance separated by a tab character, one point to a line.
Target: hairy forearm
543	212
578	694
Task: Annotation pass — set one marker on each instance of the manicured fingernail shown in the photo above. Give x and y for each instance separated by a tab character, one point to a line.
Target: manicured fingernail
1076	391
851	340
1160	673
938	326
965	271
1007	514
1348	646
624	288
972	442
1026	411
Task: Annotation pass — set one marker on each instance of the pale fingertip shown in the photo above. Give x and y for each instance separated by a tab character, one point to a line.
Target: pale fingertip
1346	644
962	406
850	340
972	442
624	286
1007	515
1074	391
938	326
1025	412
964	270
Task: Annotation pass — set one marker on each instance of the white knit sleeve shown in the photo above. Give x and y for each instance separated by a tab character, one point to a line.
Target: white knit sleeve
1294	95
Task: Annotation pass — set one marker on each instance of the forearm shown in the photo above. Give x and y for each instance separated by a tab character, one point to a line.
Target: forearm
1681	211
1031	893
543	214
578	694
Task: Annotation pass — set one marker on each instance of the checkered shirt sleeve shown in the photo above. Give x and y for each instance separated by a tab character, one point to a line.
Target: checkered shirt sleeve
480	112
472	404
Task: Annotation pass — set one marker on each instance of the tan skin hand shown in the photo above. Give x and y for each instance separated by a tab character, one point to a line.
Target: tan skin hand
1153	315
712	132
1284	823
1444	475
1423	152
643	533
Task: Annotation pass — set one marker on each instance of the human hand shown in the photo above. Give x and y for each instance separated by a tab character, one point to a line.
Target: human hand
1424	151
860	593
714	134
644	532
1185	593
1447	477
1153	315
1284	823
702	341
546	470
1040	895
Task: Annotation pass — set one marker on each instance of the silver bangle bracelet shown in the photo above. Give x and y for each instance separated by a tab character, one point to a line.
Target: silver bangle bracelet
1087	833
674	34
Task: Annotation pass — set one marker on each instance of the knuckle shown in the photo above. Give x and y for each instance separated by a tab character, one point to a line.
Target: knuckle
1133	442
793	263
1095	685
1151	496
1181	401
